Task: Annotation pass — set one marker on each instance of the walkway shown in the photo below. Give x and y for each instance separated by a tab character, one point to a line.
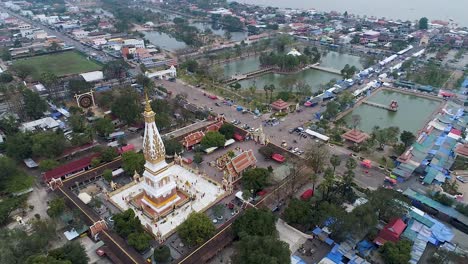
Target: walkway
380	106
248	75
325	69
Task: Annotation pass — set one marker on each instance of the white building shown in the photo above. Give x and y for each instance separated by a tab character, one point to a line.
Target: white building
45	123
138	43
79	33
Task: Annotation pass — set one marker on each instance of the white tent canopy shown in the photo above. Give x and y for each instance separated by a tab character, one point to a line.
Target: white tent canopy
85	197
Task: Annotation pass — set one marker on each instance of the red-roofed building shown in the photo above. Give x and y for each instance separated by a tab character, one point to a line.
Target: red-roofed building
391	232
214	127
462	149
240	163
355	136
279	105
69	169
192	139
97	227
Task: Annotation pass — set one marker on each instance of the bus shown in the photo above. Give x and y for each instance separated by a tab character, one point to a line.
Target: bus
115	136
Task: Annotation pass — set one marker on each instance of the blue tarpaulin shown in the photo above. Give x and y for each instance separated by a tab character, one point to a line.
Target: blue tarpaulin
329	241
365	247
317	231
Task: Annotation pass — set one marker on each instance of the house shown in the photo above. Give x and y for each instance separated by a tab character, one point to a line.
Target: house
391	232
68	169
355	136
105	25
39	34
239	164
137	43
192	139
45	123
79	33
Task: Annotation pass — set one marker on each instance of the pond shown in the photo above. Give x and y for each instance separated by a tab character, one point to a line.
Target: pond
235	36
312	77
163	40
413	112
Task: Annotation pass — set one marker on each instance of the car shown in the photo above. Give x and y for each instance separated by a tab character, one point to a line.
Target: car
463	179
291	130
217	104
290	148
234	121
296	150
304	135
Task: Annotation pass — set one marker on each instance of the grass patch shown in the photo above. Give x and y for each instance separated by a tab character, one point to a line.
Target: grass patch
61	64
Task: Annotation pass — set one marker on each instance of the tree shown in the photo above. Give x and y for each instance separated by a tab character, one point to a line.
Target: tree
48	164
255	179
140	241
5	54
255	222
387	203
227	35
213	139
385	136
190	65
56	207
162	254
103	126
423	23
34	105
6	77
227	130
127	106
316	156
198	158
73	252
144	81
126	223
196	229
18	146
23	71
77	123
396	253
48	144
260	250
108	154
78	86
54	46
332	110
348	71
172	147
231	23
335	161
298	212
50	81
43	259
115	69
407	138
132	161
107	175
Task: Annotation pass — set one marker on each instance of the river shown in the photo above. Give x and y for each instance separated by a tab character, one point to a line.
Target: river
396	9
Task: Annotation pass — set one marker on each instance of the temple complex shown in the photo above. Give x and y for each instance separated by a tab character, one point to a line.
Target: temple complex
166	193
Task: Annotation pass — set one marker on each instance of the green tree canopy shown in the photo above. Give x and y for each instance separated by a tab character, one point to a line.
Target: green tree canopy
22	70
162	254
396	253
115	69
126	223
56	207
423	23
18	146
260	250
172	146
255	179
385	136
48	144
255	222
103	127
196	229
198	158
34	105
140	241
213	139
132	161
78	86
227	130
298	212
108	154
407	138
107	175
127	106
48	164
73	252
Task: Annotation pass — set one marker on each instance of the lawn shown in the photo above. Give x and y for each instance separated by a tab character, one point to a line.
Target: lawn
61	64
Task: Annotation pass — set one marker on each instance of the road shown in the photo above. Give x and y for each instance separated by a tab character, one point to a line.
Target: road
102	56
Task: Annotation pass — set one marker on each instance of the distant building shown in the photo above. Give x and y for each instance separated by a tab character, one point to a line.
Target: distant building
240	163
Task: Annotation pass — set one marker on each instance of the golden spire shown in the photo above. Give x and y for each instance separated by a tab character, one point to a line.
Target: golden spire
147	104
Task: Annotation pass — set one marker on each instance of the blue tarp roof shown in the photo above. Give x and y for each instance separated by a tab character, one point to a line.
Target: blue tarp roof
317	231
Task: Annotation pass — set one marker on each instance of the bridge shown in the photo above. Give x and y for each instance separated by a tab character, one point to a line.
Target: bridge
248	75
325	69
387	107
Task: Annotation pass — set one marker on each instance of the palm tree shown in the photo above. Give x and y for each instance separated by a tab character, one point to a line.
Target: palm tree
266	88
335	161
271	88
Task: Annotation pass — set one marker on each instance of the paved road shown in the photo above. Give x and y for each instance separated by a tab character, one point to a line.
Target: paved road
66	39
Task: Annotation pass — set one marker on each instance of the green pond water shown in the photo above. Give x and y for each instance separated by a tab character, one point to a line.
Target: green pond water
413	112
312	77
